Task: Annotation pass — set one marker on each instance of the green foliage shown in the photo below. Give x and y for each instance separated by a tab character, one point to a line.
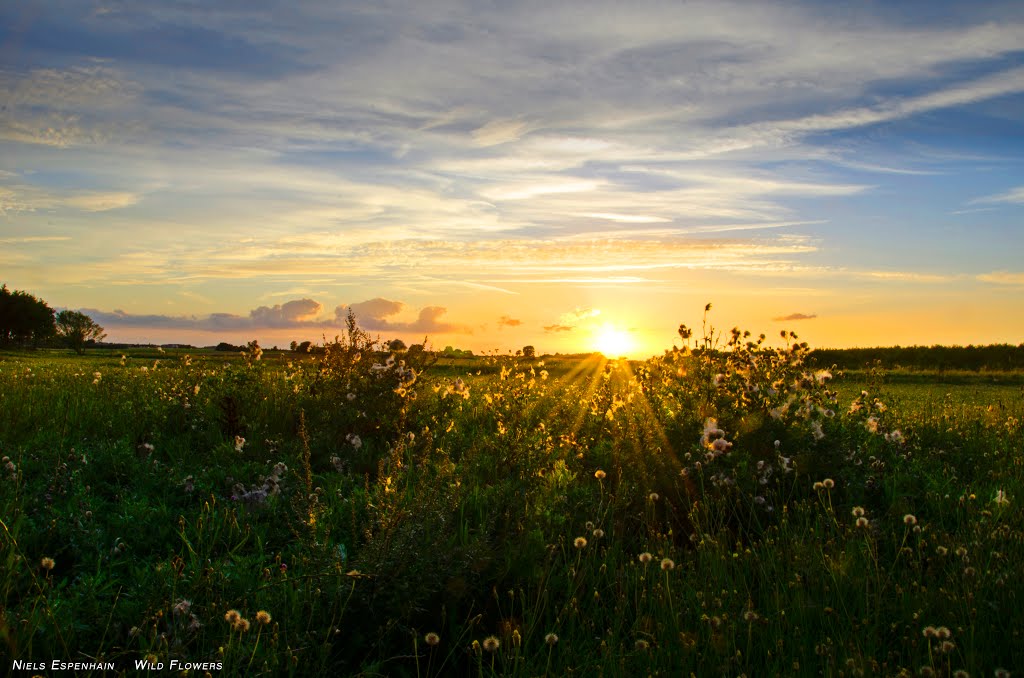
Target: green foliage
722	509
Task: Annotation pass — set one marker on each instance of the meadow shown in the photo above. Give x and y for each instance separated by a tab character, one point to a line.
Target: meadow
726	509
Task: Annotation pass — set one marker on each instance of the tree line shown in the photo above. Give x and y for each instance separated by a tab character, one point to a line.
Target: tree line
939	358
28	322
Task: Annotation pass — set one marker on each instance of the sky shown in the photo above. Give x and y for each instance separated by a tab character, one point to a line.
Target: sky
569	175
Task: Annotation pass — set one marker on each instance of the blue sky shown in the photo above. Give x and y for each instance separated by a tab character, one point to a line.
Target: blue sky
201	171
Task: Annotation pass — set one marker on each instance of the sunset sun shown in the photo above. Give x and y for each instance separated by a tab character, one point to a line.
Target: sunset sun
612	341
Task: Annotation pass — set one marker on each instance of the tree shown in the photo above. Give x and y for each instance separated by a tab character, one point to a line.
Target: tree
77	329
529	352
396	345
24	320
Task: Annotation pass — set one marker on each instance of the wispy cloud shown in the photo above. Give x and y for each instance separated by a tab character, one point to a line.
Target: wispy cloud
1013	196
1003	277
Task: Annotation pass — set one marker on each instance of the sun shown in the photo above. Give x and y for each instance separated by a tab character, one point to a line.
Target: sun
612	341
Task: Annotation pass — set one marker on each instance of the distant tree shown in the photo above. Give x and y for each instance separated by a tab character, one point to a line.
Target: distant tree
529	352
24	320
77	329
396	345
225	346
293	346
416	349
304	347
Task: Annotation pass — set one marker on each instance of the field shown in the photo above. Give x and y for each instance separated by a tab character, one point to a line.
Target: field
714	512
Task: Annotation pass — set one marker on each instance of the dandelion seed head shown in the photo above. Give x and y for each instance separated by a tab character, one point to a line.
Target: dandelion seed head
47	564
551	639
645	557
491	643
432	639
667	564
263	617
909	520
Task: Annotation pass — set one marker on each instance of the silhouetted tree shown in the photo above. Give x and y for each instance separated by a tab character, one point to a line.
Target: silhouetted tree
396	345
77	329
24	320
529	352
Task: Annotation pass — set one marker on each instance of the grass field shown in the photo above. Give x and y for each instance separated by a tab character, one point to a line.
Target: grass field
713	513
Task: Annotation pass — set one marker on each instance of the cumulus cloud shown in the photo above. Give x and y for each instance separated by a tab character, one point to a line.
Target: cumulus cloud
508	321
372	315
796	316
376	314
296	312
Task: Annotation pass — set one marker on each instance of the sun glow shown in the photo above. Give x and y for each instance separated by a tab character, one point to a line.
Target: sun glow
613	342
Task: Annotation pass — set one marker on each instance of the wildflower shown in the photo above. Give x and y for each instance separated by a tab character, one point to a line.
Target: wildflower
719	379
47	564
641	644
599	474
961	552
828	483
895	437
750	616
857	511
862	522
551	639
354	440
491	643
263	617
182	608
1001	499
871	424
232	616
239	443
653	496
941	550
579	542
598	533
667	564
242	625
943	633
432	639
818	486
929	632
816	430
909	520
645	557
